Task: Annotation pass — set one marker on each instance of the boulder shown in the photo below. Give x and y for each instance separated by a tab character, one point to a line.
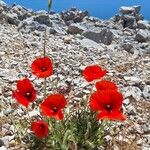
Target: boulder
143	24
129	16
126	10
127	46
11	18
76	28
130	10
104	36
3	6
129	21
31	25
87	43
141	36
74	14
137	9
139	17
22	13
58	27
43	19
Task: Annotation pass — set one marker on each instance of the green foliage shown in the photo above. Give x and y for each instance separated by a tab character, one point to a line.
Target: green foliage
79	130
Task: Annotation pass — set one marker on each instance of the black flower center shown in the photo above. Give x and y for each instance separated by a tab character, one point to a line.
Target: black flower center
108	108
42	126
55	109
44	69
28	95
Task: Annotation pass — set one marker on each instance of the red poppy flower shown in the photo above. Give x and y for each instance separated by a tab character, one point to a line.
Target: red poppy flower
106	85
25	92
108	103
42	67
40	128
53	105
94	72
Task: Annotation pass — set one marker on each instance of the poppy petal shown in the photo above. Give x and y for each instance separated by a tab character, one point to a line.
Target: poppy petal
40	128
52	106
106	85
60	115
99	100
42	67
46	110
22	100
116	99
24	85
93	72
25	92
115	115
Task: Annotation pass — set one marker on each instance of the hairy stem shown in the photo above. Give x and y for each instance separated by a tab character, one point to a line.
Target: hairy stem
44	43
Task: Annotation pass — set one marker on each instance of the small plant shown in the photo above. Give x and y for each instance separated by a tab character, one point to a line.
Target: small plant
61	127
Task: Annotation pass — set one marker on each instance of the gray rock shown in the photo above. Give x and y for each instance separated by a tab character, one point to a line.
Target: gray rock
95	36
1	143
74	15
31	25
11	18
2	3
133	91
126	101
127	46
76	28
137	8
146	92
126	10
107	138
104	36
43	19
52	30
129	16
22	13
142	24
3	148
59	27
131	110
89	43
130	10
3	7
41	12
139	17
7	139
129	21
141	36
146	129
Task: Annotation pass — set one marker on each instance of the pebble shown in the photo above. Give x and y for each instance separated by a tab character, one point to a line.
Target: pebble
3	148
131	110
1	143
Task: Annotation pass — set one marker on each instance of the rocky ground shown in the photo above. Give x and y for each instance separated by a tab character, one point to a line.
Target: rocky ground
75	40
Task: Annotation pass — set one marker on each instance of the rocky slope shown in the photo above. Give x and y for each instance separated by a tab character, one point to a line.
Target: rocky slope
75	40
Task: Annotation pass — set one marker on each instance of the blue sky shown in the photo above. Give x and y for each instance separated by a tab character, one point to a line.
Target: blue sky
100	8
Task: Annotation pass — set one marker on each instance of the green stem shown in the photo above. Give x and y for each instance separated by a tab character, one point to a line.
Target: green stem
44	88
16	130
44	44
44	53
44	50
49	5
